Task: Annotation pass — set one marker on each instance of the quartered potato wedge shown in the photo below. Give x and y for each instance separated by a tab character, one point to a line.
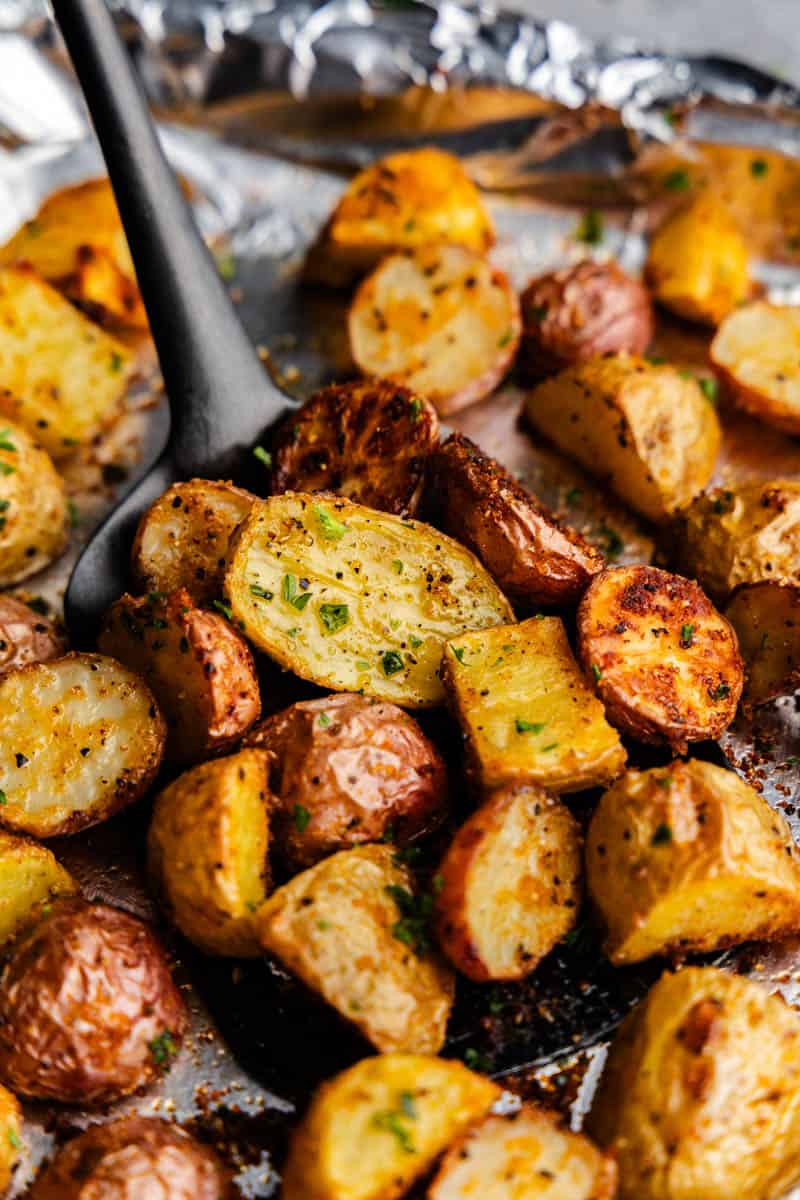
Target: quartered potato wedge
354	599
33	506
26	636
30	878
756	351
766	617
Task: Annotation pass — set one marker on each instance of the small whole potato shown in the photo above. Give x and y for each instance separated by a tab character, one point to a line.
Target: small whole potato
590	308
347	770
88	1008
26	636
33	506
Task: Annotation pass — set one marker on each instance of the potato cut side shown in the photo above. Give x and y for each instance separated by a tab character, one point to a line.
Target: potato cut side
33	506
510	885
207	851
11	1139
526	710
665	663
81	738
441	321
349	928
645	430
524	1155
689	858
26	636
104	290
354	599
378	1126
766	617
756	350
30	877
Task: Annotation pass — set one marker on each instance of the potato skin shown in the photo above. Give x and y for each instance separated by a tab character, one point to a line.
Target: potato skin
666	664
84	999
33	506
571	315
26	636
534	558
368	441
701	1092
134	1158
754	352
766	617
356	769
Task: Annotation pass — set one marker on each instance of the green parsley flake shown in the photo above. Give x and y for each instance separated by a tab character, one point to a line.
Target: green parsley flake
7	469
223	608
573	495
614	543
476	1061
529	726
13	1138
391	662
392	1122
3	797
590	228
301	818
329	527
677	181
323	720
415	913
687	636
397	566
552	746
362	666
459	652
662	835
598	674
414	642
505	339
116	362
719	692
710	388
5	442
262	455
260	593
289	593
334	617
759	168
163	1048
415	408
74	513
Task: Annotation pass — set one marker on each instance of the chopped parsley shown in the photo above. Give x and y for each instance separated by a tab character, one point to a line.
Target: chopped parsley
163	1048
677	181
710	388
475	1060
226	265
13	1138
664	781
74	513
262	455
330	528
598	674
590	229
260	593
224	608
392	1121
116	362
759	168
5	441
687	636
412	929
614	543
323	720
459	652
334	617
361	665
391	662
301	818
552	746
414	642
7	469
289	593
529	726
662	835
719	692
573	495
3	797
397	566
505	339
415	408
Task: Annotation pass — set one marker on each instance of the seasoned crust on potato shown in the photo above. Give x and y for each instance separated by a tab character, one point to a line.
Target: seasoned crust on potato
88	1009
533	557
30	878
33	506
345	770
665	663
26	636
442	321
755	353
81	739
366	440
510	885
766	617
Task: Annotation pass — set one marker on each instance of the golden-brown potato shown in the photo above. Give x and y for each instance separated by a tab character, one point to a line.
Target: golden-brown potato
346	770
697	262
207	851
571	315
406	200
378	1126
442	321
182	539
527	714
61	377
88	1009
528	1154
354	599
665	663
689	858
33	506
755	353
366	440
30	879
26	636
646	430
352	929
104	291
81	738
134	1158
510	885
533	557
10	1140
198	665
701	1092
766	617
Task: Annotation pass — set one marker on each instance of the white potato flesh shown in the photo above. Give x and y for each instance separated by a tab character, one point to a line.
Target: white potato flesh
757	351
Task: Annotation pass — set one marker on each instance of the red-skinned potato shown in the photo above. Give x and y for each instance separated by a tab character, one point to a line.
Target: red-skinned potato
26	636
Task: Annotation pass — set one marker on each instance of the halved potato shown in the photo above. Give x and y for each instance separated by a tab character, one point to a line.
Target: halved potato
61	377
756	351
766	617
30	877
199	667
353	929
182	539
376	1127
442	321
103	290
646	430
81	738
26	636
510	885
527	714
33	506
207	851
354	599
528	1154
689	858
10	1136
665	663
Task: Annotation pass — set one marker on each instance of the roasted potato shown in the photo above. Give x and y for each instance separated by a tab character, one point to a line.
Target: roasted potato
442	321
755	353
198	665
574	314
510	885
354	599
134	1158
353	930
10	1140
701	1092
697	263
371	1131
527	1154
689	858
346	770
410	199
527	714
368	441
665	663
61	377
33	506
26	636
533	557
30	879
646	430
88	1009
81	738
766	617
207	851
